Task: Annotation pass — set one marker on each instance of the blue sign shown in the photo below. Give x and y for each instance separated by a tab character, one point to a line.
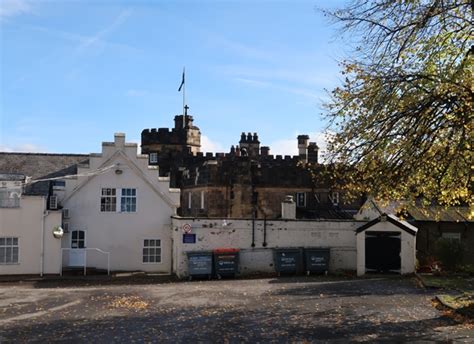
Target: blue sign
189	238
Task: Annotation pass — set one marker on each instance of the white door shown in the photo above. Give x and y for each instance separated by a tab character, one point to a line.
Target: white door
78	248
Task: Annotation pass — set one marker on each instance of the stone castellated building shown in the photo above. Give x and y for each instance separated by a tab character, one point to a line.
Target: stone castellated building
246	182
170	149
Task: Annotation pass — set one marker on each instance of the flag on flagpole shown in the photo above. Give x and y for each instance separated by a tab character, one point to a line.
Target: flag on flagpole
182	83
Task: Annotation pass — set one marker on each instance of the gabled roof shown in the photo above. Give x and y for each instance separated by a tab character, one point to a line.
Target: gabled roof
134	167
410	229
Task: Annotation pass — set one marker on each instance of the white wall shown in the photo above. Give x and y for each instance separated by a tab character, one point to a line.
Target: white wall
408	247
122	234
25	223
211	233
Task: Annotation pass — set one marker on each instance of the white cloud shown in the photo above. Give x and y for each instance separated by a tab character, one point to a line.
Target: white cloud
290	146
207	145
24	148
284	147
10	8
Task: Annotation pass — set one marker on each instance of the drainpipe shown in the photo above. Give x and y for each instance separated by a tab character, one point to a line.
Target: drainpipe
254	200
45	213
264	232
172	249
253	229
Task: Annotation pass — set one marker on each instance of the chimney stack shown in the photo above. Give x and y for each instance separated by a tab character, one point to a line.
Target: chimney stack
119	139
313	152
303	147
288	208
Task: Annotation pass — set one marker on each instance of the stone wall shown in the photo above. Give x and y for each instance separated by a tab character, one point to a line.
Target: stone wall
339	236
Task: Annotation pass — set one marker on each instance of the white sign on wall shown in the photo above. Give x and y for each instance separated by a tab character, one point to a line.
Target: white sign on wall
187	228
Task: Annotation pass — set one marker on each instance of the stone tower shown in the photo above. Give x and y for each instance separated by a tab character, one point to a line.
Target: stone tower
170	148
249	145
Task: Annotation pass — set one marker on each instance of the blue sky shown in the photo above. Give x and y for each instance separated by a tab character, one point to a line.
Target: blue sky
74	72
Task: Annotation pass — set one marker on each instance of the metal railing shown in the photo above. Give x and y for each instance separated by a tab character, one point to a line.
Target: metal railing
107	254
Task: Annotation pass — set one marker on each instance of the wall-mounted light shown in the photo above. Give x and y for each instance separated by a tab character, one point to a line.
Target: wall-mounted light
118	171
58	232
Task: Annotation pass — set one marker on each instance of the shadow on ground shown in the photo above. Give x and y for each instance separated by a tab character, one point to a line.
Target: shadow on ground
218	325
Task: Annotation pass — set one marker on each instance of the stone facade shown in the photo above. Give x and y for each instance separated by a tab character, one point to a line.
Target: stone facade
172	149
247	181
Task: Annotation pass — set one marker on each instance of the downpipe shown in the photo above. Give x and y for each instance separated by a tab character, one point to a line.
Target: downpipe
264	232
253	230
44	214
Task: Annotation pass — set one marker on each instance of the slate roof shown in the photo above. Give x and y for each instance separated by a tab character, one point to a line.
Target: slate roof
430	213
442	214
40	166
328	213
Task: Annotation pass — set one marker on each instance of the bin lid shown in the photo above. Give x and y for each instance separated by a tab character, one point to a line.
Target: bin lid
226	250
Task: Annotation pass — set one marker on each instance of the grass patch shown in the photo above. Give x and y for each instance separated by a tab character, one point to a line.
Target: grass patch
458	301
460	283
462	304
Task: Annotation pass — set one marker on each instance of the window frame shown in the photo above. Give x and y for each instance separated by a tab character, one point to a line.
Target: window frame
118	199
153	158
148	241
103	200
4	246
455	236
53	202
78	239
298	203
203	204
131	197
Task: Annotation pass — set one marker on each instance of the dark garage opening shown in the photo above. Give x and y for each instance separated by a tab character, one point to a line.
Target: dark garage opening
382	251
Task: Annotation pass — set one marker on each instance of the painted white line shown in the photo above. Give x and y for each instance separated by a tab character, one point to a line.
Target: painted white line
37	314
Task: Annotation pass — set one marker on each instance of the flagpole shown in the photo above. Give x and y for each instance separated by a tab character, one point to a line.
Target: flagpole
184	98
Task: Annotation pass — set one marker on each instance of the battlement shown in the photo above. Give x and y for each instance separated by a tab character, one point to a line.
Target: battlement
267	159
226	168
163	136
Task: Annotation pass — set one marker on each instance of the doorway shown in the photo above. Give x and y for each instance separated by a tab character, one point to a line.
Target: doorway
382	252
78	248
